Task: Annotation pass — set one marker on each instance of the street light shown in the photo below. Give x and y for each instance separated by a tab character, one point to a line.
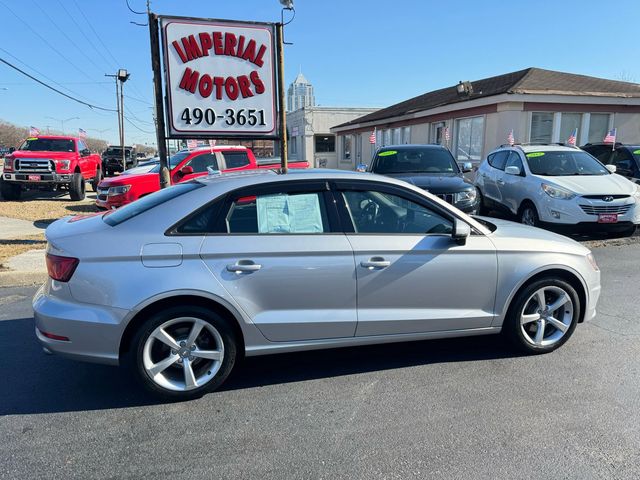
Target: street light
121	75
62	121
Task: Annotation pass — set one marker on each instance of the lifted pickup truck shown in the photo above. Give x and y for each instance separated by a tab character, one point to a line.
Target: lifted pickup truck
50	162
112	159
185	165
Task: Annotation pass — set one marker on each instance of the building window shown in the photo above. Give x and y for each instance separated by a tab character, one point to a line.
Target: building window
406	135
358	146
437	131
396	136
387	137
598	127
293	145
541	127
346	147
325	143
469	136
568	124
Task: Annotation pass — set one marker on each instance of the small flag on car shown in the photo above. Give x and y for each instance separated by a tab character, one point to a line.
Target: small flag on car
510	138
33	131
611	136
372	137
82	133
573	138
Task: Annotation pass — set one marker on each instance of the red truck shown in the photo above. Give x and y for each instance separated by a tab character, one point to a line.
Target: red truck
185	165
49	162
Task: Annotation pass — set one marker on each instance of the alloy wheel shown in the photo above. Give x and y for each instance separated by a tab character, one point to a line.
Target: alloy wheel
528	217
546	316
183	354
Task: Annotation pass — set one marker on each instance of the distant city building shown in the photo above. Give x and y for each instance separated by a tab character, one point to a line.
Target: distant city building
300	94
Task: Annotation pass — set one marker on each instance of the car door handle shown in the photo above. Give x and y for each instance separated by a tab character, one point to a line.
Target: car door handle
375	262
244	266
500	182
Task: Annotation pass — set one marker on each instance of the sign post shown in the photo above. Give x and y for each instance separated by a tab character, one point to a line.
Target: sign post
284	164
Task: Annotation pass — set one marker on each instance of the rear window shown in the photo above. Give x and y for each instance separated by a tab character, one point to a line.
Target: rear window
116	217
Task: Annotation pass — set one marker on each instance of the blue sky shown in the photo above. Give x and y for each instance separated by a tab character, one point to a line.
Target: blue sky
356	53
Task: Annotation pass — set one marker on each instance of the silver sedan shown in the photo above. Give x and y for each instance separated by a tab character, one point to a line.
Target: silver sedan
183	282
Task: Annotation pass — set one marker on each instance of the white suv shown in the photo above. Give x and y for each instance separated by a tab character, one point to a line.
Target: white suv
558	184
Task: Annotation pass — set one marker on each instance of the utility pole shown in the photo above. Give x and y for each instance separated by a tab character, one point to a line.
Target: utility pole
122	76
284	163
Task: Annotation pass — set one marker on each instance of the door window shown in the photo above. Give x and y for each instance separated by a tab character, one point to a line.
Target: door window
201	162
278	213
514	160
236	159
384	213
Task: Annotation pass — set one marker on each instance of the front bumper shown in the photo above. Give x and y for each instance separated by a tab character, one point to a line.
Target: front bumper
45	178
574	212
106	202
94	331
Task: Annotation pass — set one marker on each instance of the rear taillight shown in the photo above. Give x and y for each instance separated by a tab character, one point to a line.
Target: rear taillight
61	268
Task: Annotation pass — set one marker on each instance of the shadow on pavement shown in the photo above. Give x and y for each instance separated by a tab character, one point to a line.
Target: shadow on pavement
32	382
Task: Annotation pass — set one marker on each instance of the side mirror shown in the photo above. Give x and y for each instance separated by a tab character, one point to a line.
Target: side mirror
512	170
361	167
611	168
466	167
461	231
186	170
12	149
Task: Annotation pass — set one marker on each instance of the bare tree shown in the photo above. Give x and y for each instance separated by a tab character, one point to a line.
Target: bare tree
626	76
12	136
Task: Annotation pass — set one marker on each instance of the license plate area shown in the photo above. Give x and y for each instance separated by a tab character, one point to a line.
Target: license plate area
608	218
34	178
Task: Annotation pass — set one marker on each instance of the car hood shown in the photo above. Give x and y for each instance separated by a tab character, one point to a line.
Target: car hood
129	179
139	169
47	155
511	236
434	183
594	184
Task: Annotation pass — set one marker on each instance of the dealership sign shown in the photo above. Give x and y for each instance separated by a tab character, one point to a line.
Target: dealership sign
220	78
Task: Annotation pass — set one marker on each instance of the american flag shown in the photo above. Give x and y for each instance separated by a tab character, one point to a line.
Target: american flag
372	137
82	133
611	136
573	137
510	138
191	144
212	143
33	131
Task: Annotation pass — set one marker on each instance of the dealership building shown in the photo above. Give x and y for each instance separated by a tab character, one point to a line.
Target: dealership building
472	118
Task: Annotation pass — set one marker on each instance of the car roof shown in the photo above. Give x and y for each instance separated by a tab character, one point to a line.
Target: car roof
409	146
55	137
541	147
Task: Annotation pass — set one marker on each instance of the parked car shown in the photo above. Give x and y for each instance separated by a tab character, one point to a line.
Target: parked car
49	162
625	157
185	165
431	167
558	185
112	159
180	284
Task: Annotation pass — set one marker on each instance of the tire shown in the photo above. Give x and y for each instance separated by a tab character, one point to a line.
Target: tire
97	179
10	191
171	381
482	208
529	215
521	326
77	187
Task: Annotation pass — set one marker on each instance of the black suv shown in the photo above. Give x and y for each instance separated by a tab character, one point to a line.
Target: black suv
626	158
112	159
430	167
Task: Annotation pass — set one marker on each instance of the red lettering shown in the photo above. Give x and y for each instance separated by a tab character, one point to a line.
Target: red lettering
245	86
183	57
205	86
240	48
189	80
205	43
258	60
250	51
231	87
218	82
217	43
255	78
190	45
230	44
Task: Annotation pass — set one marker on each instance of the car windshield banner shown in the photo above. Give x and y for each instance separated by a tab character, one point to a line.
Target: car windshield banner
220	78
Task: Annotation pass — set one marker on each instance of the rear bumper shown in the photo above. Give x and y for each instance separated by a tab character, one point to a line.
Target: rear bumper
94	331
45	178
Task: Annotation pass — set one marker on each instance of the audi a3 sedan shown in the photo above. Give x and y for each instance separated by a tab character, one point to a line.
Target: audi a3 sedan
180	284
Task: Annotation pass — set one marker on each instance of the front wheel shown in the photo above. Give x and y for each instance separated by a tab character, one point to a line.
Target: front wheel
76	187
529	215
183	352
543	315
10	191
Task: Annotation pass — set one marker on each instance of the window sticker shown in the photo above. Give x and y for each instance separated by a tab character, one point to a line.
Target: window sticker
388	153
535	154
636	152
282	213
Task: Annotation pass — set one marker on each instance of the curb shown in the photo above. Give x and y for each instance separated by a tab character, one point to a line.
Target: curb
21	279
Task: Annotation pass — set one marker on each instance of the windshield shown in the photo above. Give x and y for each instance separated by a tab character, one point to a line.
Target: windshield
564	163
48	145
174	161
415	160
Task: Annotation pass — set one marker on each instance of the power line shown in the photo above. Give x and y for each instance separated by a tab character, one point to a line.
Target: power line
115	62
143	131
132	10
55	89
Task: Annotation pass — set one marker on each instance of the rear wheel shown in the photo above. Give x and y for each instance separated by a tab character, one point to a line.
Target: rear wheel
529	215
77	187
183	352
542	316
10	191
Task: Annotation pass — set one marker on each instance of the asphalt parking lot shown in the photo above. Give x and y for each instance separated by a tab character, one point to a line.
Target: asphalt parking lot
463	408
